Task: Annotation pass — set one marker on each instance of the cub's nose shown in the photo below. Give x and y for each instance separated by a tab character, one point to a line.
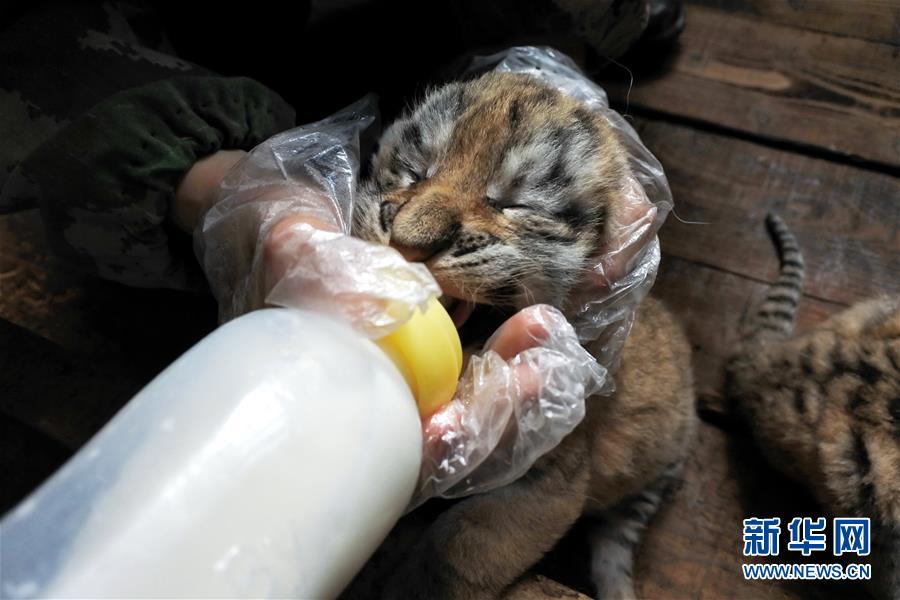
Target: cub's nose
425	225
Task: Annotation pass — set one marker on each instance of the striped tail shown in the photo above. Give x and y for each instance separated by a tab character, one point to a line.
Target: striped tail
775	318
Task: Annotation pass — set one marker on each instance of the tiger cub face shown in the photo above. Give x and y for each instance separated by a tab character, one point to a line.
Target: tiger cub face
502	186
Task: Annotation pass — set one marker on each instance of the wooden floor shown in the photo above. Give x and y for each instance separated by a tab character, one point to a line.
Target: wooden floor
766	105
792	106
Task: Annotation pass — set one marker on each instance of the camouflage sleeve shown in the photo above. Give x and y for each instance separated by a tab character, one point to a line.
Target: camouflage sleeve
105	180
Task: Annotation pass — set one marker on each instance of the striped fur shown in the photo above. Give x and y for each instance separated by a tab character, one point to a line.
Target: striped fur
504	188
824	406
615	535
502	185
775	317
615	468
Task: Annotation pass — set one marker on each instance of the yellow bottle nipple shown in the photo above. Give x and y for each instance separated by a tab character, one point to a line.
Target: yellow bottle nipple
428	353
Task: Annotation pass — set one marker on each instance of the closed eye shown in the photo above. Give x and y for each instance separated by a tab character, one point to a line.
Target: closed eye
500	205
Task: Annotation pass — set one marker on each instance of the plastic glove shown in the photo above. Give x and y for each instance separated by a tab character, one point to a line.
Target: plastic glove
515	402
623	271
292	197
279	233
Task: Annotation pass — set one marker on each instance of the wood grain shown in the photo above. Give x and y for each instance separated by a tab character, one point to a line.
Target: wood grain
846	219
711	304
837	93
873	20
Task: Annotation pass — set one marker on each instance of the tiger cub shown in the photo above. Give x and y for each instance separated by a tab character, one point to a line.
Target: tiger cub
824	407
505	189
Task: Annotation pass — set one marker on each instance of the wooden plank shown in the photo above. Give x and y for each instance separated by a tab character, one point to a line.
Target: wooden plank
836	93
873	20
847	219
711	304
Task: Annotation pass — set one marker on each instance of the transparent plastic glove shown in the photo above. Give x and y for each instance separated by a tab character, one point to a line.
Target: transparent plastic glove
279	233
602	307
293	196
515	402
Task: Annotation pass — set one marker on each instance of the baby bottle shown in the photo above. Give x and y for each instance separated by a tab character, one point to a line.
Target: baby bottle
269	460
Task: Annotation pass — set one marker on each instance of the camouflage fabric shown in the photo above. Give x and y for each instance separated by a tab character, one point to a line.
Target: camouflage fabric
105	181
99	124
99	118
59	60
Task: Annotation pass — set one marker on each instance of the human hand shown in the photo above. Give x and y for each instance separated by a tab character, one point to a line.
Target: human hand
309	263
292	238
515	401
278	233
198	188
